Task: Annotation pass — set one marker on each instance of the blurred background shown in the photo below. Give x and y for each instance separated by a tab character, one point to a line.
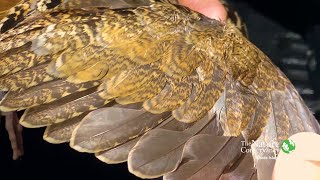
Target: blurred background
288	32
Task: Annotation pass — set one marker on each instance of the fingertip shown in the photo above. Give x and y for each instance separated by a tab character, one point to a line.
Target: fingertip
210	8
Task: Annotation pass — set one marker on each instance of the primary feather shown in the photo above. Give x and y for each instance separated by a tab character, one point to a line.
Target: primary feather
71	64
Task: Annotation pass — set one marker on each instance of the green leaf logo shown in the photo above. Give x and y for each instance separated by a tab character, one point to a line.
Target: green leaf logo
288	146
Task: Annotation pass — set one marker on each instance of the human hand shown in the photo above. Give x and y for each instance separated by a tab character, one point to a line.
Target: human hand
303	162
210	8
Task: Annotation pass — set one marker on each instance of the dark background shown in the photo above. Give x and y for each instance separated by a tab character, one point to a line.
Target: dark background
299	16
46	161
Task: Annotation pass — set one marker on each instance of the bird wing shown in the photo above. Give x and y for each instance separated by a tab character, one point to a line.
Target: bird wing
146	83
24	8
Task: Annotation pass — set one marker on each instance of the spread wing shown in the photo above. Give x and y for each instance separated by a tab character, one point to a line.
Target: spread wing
145	82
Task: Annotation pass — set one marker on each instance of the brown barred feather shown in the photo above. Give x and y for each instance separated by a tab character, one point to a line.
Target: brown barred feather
43	93
61	132
25	79
62	110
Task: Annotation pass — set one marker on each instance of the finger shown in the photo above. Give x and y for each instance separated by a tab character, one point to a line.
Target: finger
307	146
210	8
303	162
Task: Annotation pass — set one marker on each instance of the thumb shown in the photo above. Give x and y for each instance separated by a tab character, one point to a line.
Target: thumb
303	162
